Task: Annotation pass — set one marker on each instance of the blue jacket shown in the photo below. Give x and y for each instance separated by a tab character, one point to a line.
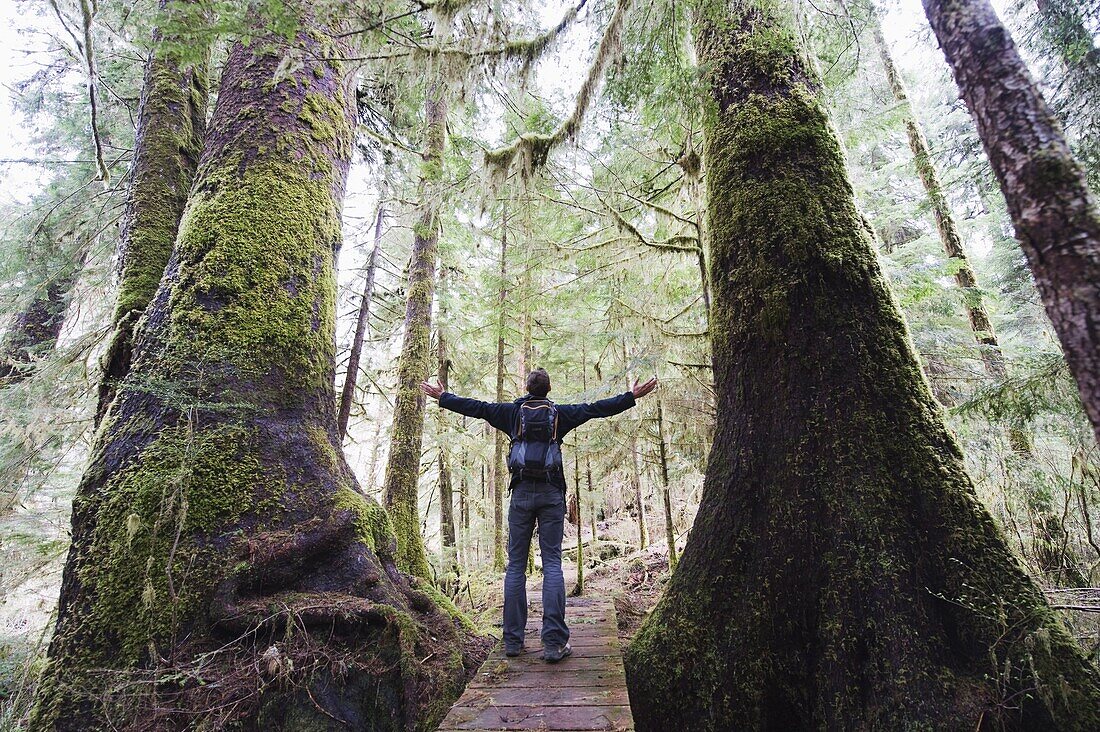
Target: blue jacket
503	416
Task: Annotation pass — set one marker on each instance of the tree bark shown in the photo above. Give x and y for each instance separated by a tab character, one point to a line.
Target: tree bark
639	501
347	394
592	513
499	476
578	589
446	497
1062	29
171	129
670	530
406	440
841	573
463	513
993	360
980	324
1054	214
636	474
218	535
34	330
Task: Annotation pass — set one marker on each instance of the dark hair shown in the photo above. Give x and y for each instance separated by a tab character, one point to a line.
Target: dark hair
538	383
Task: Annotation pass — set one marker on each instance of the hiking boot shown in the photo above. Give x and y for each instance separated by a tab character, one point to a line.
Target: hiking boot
512	651
553	654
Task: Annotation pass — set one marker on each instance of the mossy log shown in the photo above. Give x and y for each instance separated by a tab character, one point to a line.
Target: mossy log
841	572
226	571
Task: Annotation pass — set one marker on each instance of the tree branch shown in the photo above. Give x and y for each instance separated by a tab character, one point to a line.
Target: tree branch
87	13
531	148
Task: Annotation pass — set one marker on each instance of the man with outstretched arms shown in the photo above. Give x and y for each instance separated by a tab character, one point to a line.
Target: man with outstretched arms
536	427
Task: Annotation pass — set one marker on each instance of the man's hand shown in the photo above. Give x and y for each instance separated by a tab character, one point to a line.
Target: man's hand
643	389
434	391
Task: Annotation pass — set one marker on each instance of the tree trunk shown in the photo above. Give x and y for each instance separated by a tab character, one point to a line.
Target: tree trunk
499	475
578	589
486	478
993	360
446	497
636	484
588	474
347	394
1062	28
34	330
1055	216
841	573
636	474
171	128
670	530
406	440
225	570
704	282
463	515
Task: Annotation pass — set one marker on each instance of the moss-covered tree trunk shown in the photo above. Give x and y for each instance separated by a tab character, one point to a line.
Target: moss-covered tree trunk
1055	216
226	571
948	229
171	127
351	379
33	331
406	437
666	497
578	589
841	573
993	360
498	476
636	473
1063	31
446	491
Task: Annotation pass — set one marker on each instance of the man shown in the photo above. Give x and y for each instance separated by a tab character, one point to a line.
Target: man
536	427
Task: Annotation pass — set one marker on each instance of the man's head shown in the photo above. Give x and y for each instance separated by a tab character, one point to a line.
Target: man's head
538	383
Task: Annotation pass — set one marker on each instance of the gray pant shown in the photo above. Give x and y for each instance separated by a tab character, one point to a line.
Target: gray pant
545	504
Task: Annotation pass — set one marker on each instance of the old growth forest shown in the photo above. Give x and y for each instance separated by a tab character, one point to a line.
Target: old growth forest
856	241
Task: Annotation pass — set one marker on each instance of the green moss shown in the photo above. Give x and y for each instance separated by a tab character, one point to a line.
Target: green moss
444	602
150	561
323	115
833	476
372	523
171	138
255	290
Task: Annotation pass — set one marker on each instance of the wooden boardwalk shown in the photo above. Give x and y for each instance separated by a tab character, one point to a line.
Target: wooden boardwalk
586	691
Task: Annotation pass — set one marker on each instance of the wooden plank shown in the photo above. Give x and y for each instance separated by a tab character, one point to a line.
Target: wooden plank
530	679
534	656
550	696
535	666
602	631
587	647
539	718
586	691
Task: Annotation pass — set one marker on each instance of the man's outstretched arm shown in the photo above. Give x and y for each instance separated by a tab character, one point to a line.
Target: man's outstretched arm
498	415
574	415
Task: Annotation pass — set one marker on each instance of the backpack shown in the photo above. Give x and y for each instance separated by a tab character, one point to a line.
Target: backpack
535	451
